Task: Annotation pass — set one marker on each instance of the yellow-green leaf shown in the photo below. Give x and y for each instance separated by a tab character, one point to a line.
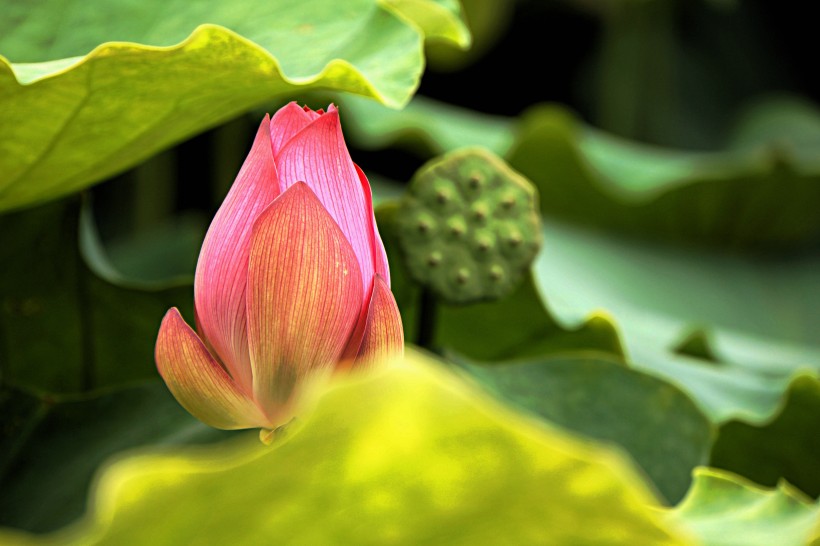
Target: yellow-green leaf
722	509
440	19
413	456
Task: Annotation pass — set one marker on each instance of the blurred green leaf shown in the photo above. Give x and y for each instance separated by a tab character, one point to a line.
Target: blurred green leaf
411	456
786	122
166	252
761	313
49	462
384	189
426	126
718	199
520	326
64	327
101	86
658	425
585	176
787	447
724	510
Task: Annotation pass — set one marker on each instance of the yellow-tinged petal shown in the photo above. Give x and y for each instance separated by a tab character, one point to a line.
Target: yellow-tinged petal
383	336
304	297
198	381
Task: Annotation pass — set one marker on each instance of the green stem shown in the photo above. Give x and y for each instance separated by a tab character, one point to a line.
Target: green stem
427	317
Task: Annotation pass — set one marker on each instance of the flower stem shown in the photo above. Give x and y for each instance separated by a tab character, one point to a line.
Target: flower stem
427	316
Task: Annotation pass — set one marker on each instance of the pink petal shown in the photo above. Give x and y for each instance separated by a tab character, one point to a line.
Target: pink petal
221	272
380	265
318	156
304	295
383	336
198	382
289	120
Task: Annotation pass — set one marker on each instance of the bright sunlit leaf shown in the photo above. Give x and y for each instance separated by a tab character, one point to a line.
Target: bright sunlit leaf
413	456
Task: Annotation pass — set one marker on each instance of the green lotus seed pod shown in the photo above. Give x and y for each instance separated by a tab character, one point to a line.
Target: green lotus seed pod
469	226
479	211
434	259
496	273
483	244
456	227
425	226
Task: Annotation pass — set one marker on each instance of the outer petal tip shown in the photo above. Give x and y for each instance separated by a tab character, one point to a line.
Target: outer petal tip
383	337
198	381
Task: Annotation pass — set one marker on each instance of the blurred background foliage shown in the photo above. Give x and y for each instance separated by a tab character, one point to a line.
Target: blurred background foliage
671	313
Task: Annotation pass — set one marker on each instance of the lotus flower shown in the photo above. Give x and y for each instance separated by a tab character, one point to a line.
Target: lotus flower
291	285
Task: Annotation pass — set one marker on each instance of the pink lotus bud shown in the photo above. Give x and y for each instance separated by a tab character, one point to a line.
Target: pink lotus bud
291	284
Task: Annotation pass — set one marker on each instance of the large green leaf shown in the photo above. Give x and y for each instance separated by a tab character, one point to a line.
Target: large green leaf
786	447
66	328
413	456
658	425
724	510
52	445
760	312
96	87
